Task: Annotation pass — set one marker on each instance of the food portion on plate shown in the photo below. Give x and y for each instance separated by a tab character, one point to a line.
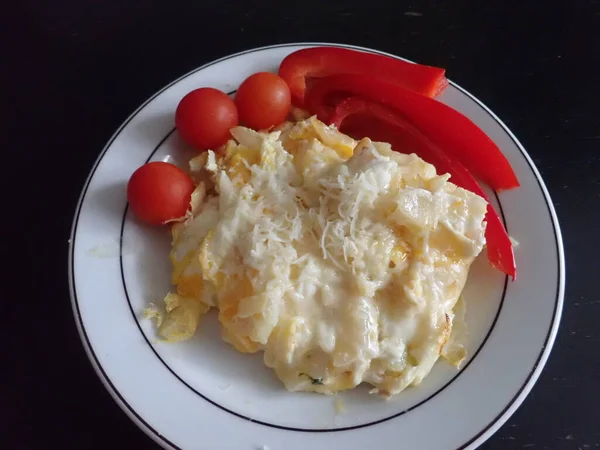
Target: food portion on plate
342	260
336	234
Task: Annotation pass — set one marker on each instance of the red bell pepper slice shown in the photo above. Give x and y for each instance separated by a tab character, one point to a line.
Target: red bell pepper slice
317	62
446	127
386	125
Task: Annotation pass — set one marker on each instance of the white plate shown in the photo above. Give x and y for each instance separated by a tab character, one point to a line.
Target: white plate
201	394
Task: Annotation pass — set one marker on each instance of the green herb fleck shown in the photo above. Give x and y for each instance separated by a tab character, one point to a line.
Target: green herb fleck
317	381
412	360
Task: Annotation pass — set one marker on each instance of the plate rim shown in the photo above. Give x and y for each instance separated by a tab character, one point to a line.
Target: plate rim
476	440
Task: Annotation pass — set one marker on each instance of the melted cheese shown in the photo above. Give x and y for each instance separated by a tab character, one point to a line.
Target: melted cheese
342	261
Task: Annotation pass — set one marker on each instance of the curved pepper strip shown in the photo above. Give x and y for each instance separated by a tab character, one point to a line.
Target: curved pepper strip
317	62
446	127
401	134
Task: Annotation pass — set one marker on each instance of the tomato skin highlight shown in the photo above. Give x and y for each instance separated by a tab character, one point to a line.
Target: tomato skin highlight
158	192
204	117
263	101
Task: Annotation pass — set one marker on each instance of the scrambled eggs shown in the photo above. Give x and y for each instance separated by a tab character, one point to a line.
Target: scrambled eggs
341	260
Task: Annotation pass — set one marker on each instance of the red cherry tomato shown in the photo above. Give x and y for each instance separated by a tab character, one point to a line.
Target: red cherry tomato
263	100
204	117
158	192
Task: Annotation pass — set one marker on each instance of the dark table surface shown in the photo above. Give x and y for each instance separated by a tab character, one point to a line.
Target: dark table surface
74	70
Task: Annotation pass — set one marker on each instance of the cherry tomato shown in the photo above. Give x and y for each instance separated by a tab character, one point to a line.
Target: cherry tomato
204	117
263	100
159	191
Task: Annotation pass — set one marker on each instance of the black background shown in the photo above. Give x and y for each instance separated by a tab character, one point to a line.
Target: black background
72	71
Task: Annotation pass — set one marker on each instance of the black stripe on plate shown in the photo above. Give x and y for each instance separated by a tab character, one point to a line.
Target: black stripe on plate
559	266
